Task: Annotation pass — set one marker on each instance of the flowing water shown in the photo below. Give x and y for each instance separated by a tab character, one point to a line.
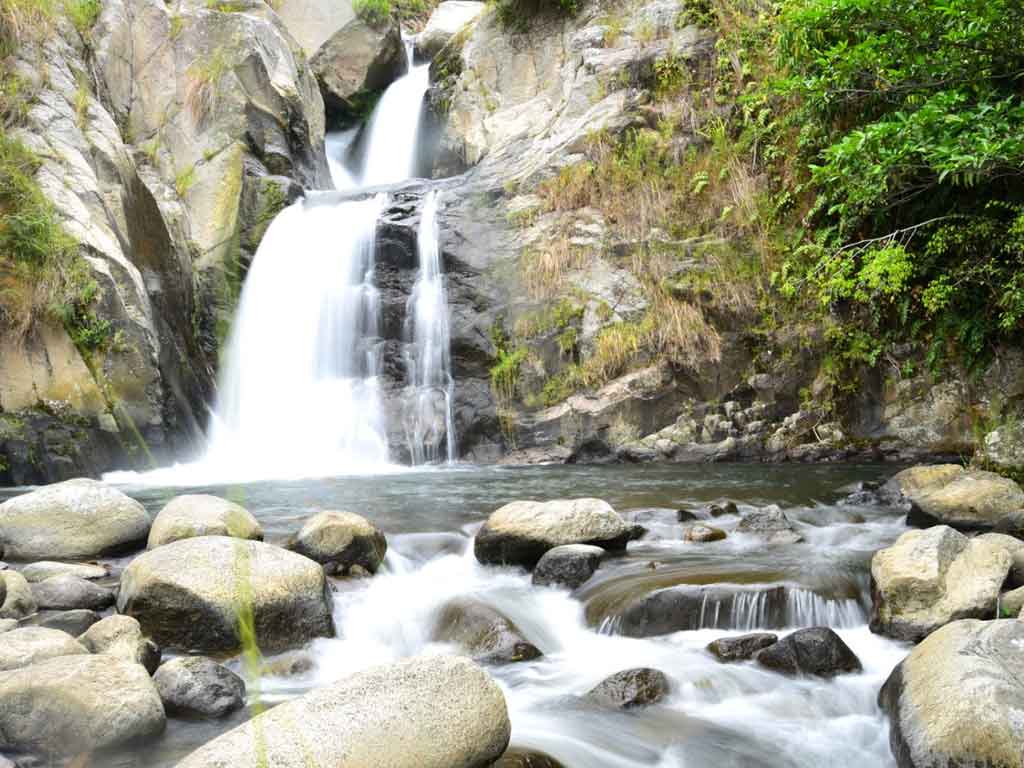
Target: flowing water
717	715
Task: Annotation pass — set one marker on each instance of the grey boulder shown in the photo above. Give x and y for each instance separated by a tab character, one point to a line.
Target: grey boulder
741	648
17	601
21	647
122	636
771	524
483	632
341	542
567	566
194	686
185	517
69	593
965	499
44	569
817	651
631	689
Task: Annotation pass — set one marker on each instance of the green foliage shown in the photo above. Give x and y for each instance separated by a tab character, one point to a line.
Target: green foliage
184	180
517	15
373	12
507	362
83	14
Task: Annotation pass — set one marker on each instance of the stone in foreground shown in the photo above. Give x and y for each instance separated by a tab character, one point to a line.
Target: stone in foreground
21	647
424	712
17	596
122	636
567	566
965	499
192	515
76	704
194	686
956	699
73	520
741	648
190	595
932	577
484	633
817	651
521	532
340	541
631	689
66	592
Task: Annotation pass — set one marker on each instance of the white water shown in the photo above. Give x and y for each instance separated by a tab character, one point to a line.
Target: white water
429	425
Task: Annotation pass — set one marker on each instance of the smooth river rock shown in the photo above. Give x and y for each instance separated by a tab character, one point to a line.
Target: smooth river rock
965	499
76	519
193	515
631	689
699	533
931	577
742	647
17	601
521	532
122	636
194	686
483	632
423	712
817	651
957	698
73	622
567	566
75	704
339	541
191	595
21	647
771	524
357	60
44	569
69	593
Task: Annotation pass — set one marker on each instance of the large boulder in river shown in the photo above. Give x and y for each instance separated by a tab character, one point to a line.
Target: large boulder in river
484	633
17	596
817	651
567	566
75	704
68	593
965	499
193	595
71	520
631	689
199	687
340	541
122	636
21	647
932	577
193	515
521	532
423	712
358	60
447	20
957	698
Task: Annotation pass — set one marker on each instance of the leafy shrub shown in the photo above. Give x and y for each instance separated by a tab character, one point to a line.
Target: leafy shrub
373	12
517	15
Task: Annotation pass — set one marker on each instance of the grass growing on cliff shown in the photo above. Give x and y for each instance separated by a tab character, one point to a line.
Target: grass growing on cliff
412	13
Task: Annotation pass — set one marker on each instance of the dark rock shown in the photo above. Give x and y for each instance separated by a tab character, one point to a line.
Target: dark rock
484	633
567	566
519	758
685	516
68	593
772	524
817	651
688	607
741	648
195	686
121	636
73	622
631	688
718	510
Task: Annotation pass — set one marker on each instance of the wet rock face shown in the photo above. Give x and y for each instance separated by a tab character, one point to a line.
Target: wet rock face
631	689
189	594
956	698
484	633
741	648
817	651
932	577
521	532
567	566
198	687
424	712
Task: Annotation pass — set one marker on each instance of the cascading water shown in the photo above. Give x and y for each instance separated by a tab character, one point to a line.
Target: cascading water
428	406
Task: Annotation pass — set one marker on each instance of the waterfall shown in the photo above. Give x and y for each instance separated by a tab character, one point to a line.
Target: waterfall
428	405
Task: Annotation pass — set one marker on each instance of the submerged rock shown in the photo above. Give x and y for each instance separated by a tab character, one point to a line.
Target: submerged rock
194	686
44	569
567	566
75	704
741	648
631	688
21	647
75	519
341	541
817	651
193	515
190	594
69	593
423	712
521	532
956	698
770	523
122	636
965	499
700	533
932	577
488	636
17	598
